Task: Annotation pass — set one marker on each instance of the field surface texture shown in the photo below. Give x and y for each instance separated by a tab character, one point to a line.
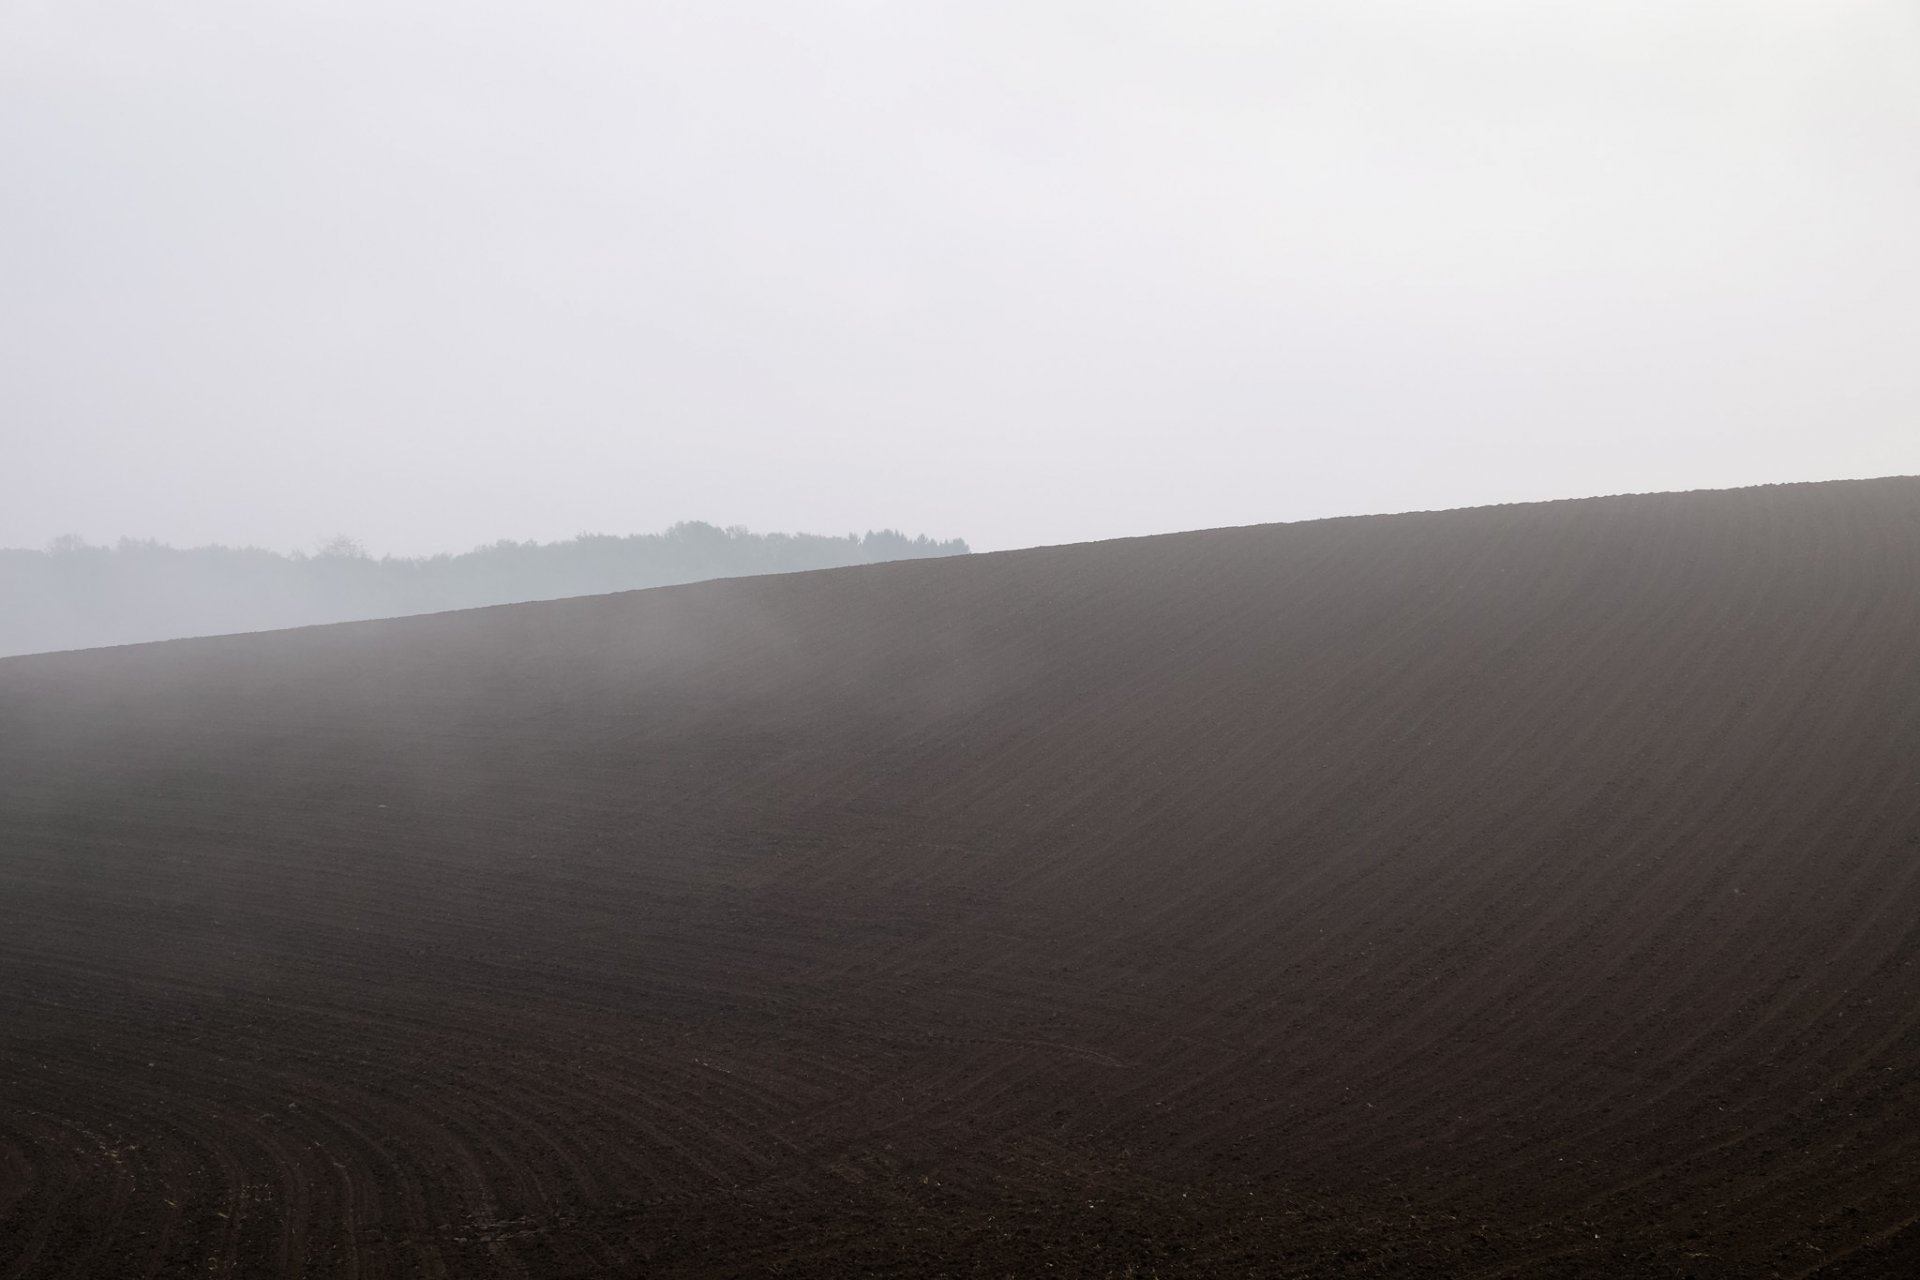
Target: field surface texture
1522	891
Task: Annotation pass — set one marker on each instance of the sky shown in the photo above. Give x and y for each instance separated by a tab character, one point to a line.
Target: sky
432	274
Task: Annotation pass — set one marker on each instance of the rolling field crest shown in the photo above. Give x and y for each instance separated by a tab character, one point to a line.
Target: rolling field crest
1526	890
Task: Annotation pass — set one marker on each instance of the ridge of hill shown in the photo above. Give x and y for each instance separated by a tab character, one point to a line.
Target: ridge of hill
1525	890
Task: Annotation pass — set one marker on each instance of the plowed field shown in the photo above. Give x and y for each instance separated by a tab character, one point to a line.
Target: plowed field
1522	891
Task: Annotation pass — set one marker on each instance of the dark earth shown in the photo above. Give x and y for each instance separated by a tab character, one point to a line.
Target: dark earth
1521	891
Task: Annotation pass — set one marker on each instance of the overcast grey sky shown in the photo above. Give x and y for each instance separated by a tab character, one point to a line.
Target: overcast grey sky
433	274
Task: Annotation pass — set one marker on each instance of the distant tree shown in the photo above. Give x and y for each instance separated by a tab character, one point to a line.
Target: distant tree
341	547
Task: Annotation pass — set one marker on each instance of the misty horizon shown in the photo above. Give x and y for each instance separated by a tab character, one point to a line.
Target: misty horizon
1421	784
75	595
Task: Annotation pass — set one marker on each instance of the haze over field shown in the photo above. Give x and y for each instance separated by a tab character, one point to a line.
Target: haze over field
1211	880
443	273
1523	891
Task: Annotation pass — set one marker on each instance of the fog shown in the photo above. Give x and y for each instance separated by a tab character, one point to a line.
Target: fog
436	274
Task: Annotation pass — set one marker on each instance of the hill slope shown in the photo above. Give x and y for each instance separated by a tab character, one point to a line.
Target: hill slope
1525	890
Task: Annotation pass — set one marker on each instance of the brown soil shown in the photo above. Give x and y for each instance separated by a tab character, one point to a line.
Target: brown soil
1525	891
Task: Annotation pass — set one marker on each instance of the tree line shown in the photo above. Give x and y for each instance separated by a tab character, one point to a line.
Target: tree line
76	595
